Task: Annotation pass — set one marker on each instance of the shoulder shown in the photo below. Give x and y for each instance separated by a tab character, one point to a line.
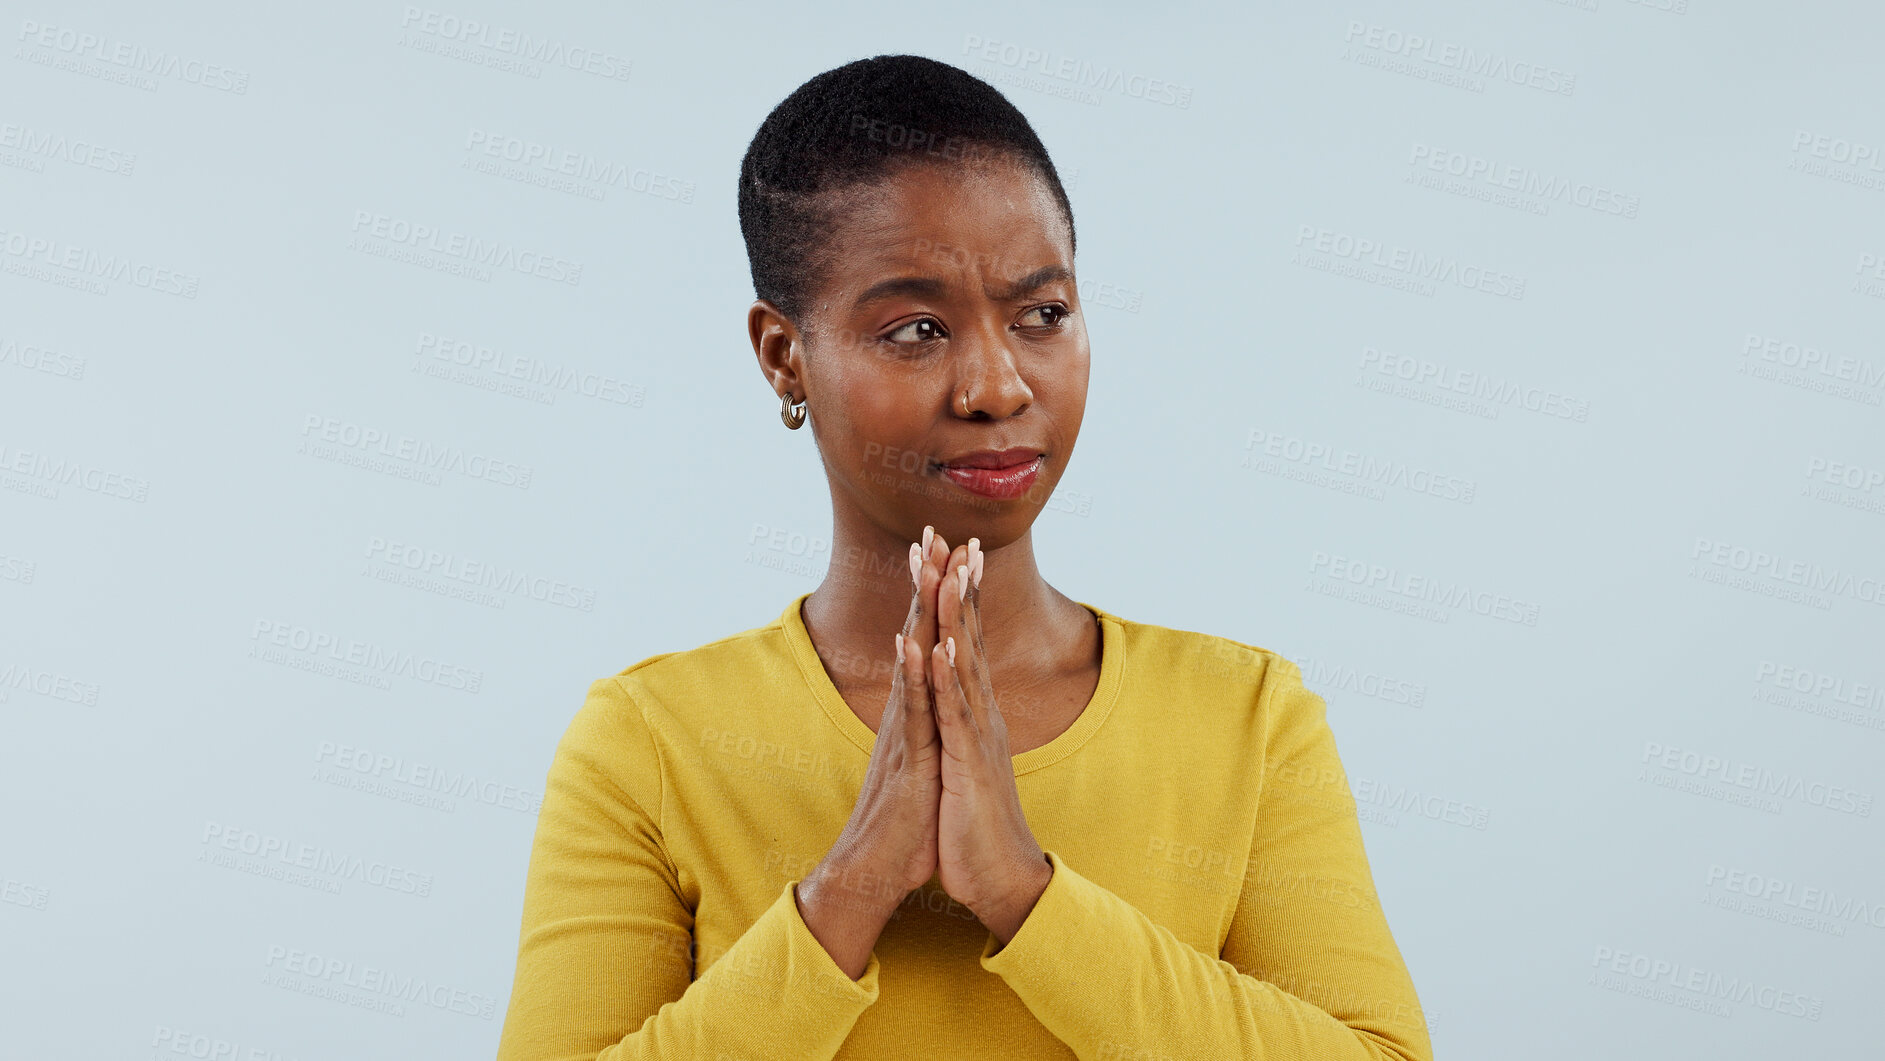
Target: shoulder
618	733
1178	652
683	681
1259	684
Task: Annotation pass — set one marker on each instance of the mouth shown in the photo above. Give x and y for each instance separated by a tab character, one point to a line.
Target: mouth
1003	475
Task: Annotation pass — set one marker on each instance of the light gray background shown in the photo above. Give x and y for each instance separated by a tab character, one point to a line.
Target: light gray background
1665	780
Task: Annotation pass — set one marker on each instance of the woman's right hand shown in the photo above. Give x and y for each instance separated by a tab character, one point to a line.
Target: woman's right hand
888	847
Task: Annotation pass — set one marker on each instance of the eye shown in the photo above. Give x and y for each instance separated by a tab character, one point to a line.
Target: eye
1055	315
920	330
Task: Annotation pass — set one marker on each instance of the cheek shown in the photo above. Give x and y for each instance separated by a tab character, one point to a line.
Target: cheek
880	425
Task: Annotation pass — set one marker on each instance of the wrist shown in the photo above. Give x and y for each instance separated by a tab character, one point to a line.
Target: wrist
1006	919
856	886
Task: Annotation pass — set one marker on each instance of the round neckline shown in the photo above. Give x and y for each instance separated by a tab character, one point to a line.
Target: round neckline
1098	707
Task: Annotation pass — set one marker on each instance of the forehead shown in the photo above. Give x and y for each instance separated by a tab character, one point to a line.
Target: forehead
994	217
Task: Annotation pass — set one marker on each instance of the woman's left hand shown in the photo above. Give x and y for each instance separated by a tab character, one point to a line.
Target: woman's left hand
987	858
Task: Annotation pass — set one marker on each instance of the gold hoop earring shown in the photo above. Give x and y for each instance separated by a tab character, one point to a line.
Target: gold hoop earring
794	416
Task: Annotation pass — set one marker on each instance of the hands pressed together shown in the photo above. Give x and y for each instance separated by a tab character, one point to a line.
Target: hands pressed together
939	796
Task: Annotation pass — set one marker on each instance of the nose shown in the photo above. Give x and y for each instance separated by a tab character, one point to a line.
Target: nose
988	371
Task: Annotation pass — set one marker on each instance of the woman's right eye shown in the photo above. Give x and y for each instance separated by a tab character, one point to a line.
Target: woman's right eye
921	330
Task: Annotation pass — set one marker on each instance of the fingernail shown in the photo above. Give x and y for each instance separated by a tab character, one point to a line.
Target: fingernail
952	651
928	533
899	650
962	581
916	564
975	569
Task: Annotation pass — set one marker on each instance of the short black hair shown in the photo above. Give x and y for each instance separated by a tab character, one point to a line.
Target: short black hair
853	125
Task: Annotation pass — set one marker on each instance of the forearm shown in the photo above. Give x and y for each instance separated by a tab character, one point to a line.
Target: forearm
621	993
1110	982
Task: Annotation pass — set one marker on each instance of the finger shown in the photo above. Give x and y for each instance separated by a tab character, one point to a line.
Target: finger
979	676
919	718
952	613
933	568
948	600
920	623
975	613
955	719
916	591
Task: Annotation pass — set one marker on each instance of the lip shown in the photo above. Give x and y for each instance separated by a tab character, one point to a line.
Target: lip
994	459
1002	483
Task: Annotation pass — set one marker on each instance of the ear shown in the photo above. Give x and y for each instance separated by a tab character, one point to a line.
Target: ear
779	347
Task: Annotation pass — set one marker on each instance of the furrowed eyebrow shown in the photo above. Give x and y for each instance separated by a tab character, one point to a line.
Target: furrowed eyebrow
920	286
1028	284
930	287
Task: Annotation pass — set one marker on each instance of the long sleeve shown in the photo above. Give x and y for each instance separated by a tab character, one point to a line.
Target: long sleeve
606	954
1309	971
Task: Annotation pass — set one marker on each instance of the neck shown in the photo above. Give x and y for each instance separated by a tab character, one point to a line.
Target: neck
865	598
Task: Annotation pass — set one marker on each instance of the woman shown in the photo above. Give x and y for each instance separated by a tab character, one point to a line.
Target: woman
938	809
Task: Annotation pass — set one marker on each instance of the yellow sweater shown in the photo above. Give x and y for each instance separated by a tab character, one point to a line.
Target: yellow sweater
1210	896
